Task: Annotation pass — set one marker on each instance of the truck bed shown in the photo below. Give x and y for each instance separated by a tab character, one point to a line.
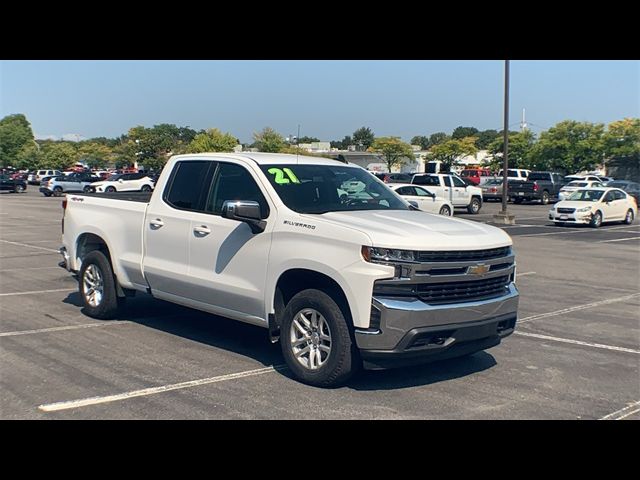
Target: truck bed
142	197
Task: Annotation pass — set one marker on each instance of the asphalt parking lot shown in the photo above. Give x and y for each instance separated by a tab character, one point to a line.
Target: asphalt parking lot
575	353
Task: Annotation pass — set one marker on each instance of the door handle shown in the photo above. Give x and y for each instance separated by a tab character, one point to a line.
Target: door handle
156	224
202	230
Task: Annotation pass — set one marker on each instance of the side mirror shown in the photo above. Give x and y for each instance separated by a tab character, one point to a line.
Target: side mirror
244	211
414	204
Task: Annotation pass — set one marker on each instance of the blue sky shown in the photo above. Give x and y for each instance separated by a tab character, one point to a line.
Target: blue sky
330	99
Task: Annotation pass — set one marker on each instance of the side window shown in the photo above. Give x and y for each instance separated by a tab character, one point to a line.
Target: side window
421	192
618	195
234	182
447	180
403	191
186	187
426	180
608	197
458	183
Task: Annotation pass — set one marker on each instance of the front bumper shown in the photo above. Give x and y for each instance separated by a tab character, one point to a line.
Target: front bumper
412	331
577	218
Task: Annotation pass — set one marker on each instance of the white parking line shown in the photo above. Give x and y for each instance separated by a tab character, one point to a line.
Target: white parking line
39	291
578	342
623	412
619	239
53	407
578	307
31	246
569	232
525	273
59	329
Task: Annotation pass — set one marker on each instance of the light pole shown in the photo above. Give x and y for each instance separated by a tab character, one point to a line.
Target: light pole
503	216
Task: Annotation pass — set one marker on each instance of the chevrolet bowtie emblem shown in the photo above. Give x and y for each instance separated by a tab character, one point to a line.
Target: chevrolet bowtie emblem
478	269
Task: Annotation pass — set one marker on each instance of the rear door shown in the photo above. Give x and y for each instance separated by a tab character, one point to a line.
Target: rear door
608	207
620	205
167	228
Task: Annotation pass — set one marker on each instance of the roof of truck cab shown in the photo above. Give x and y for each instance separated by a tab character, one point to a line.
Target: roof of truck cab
268	158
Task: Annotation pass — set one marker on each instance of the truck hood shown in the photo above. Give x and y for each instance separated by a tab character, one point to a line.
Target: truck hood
417	230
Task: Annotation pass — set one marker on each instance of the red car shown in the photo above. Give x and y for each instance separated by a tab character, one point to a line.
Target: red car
473	175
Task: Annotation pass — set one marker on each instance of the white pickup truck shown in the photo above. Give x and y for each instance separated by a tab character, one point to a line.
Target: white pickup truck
341	280
453	188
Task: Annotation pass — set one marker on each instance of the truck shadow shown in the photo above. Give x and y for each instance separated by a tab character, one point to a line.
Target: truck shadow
251	342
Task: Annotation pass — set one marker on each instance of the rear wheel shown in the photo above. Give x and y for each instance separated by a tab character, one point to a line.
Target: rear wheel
628	219
445	210
474	206
110	189
97	286
57	191
316	341
596	220
87	189
545	198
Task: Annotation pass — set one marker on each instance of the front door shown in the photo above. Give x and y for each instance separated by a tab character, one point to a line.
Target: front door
228	263
460	196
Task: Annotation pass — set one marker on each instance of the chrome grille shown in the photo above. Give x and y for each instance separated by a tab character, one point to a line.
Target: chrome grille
463	256
566	210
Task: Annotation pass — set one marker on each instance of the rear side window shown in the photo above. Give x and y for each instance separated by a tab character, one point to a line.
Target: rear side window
458	182
186	187
539	176
618	195
447	181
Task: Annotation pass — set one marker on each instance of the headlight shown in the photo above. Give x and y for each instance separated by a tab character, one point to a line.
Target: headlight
583	210
385	255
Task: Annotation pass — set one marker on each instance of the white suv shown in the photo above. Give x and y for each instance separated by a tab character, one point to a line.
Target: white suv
37	177
125	182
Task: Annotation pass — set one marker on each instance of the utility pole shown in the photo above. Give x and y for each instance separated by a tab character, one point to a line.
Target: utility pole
503	216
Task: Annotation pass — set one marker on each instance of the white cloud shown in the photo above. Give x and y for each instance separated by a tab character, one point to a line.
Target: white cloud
71	137
45	137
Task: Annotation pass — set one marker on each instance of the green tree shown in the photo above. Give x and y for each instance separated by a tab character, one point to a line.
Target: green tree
463	132
308	140
570	146
59	155
342	144
15	135
520	151
363	138
622	140
268	140
450	150
421	140
486	138
95	154
213	140
437	138
28	158
393	150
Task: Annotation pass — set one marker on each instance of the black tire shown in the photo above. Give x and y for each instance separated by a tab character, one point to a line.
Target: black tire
474	206
445	210
545	198
342	361
146	188
596	220
46	194
57	192
87	189
19	189
110	189
110	303
517	200
628	219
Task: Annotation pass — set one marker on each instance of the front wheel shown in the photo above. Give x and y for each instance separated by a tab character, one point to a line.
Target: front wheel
97	287
445	210
110	189
596	220
19	189
474	206
57	192
628	219
316	342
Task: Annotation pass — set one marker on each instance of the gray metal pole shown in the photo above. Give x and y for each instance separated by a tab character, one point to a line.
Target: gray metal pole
505	132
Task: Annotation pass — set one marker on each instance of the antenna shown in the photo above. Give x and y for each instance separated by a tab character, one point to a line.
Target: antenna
298	144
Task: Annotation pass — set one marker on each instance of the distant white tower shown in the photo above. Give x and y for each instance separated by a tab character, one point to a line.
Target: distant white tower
523	123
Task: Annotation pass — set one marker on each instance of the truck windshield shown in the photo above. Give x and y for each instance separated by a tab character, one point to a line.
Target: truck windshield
327	188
